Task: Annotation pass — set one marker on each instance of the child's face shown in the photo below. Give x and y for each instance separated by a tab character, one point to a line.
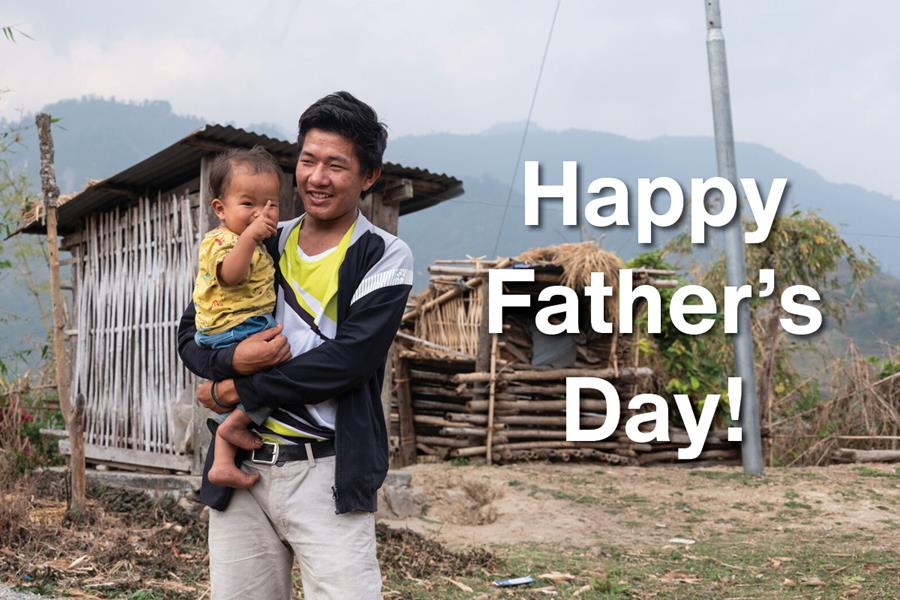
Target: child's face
245	198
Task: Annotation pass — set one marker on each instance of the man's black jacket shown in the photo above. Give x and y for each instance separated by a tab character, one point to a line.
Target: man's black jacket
374	282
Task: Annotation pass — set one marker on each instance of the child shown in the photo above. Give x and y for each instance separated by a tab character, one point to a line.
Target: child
234	293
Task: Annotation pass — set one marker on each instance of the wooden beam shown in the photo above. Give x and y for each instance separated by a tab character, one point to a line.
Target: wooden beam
398	190
126	456
290	205
624	374
407	454
385	216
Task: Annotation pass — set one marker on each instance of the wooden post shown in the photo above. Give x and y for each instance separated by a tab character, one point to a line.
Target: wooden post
73	415
387	218
290	205
492	390
208	220
405	412
481	390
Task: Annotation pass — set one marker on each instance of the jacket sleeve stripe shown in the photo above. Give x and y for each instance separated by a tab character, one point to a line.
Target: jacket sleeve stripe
382	280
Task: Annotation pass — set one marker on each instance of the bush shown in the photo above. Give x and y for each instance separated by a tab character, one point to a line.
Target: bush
22	447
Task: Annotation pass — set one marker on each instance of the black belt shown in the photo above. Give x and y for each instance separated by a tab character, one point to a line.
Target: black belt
278	454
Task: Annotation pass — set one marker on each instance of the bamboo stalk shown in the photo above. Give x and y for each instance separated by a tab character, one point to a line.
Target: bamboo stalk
477	450
477	406
550	374
492	391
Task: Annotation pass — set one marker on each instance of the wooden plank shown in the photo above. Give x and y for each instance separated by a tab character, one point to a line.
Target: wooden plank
385	215
289	203
407	455
624	374
126	456
398	190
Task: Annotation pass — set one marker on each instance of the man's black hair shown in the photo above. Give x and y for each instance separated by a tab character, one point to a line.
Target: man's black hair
352	118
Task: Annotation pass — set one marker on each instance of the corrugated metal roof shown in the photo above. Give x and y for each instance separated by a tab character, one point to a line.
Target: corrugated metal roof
180	164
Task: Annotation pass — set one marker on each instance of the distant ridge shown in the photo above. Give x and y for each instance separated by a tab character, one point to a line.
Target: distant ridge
98	137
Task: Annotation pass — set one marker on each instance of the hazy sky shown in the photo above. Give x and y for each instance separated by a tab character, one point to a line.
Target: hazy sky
817	81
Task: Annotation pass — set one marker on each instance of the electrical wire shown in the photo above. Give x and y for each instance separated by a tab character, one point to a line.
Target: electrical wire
537	86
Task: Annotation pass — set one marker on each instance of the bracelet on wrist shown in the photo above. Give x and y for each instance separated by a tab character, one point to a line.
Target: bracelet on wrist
215	397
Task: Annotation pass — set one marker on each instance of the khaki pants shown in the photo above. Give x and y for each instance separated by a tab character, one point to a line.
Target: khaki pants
290	512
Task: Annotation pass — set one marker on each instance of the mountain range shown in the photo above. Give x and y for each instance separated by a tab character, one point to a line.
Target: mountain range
96	138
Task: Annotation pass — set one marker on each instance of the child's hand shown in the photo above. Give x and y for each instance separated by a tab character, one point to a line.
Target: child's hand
264	226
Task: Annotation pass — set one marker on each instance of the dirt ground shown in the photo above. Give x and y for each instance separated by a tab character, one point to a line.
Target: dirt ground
674	531
581	531
581	505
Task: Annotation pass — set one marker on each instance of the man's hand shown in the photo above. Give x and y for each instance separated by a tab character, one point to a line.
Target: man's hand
225	392
261	351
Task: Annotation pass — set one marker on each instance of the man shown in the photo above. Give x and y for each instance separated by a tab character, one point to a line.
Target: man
342	286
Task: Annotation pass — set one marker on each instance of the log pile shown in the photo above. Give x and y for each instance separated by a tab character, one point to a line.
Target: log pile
461	392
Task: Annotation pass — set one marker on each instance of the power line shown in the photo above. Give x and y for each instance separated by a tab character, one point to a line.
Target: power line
537	86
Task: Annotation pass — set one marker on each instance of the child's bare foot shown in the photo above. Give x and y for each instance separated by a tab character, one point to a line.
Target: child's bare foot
231	476
234	431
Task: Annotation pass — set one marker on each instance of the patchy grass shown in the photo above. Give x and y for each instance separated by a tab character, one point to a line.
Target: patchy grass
782	566
798	537
557	494
873	472
730	477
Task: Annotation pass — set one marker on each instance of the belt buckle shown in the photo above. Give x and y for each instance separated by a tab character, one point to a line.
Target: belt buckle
274	459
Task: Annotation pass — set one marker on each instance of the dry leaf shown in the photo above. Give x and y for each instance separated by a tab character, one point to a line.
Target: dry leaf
812	581
460	585
78	561
683	541
557	577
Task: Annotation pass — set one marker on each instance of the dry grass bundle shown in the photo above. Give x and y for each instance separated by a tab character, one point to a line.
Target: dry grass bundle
578	261
864	414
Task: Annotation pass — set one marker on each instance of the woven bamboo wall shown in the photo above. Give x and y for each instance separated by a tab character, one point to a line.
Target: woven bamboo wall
134	273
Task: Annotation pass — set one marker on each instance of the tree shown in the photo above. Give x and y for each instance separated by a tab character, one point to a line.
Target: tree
802	249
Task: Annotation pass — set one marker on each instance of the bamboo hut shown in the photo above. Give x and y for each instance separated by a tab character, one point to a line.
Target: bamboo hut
133	243
462	392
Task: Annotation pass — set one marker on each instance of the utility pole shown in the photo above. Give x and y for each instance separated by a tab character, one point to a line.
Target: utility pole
742	342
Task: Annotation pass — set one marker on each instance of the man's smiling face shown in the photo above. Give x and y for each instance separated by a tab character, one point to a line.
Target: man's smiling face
329	178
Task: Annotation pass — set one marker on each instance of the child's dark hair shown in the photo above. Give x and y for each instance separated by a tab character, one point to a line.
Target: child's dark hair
257	159
352	118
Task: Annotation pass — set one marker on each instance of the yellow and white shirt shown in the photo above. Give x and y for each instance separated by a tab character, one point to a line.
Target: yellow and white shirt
313	281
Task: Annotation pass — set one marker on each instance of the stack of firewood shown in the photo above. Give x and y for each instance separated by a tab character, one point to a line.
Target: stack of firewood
451	419
462	392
